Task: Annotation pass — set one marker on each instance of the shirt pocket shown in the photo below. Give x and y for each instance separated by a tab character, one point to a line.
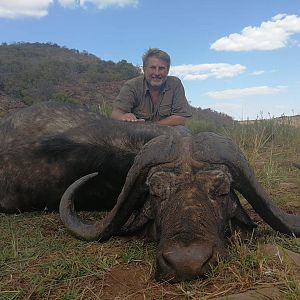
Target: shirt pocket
165	110
142	114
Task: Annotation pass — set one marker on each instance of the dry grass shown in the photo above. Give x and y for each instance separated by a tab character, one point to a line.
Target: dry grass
53	265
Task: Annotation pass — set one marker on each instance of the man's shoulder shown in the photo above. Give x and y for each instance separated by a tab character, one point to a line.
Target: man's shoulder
173	81
173	78
136	81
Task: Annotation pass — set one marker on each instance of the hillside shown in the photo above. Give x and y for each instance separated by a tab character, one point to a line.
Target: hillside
35	72
40	72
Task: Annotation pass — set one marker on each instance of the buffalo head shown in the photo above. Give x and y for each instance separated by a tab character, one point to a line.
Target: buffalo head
188	185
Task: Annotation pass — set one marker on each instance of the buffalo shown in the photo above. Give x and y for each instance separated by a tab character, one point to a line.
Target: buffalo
177	190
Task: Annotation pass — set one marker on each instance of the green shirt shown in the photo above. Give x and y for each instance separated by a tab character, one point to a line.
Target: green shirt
135	97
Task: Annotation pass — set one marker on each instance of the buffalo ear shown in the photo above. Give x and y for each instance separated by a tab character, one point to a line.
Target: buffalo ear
239	217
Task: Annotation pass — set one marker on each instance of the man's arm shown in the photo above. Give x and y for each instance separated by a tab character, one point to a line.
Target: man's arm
120	115
125	101
180	108
173	120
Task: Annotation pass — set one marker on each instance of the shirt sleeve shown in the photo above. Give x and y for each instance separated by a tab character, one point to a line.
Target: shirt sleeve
180	106
126	99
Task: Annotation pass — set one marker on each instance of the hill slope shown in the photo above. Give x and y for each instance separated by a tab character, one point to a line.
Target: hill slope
40	72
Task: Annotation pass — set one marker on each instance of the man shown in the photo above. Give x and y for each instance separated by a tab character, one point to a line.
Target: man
154	96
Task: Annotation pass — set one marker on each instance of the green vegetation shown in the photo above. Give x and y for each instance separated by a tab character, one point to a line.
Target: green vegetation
40	72
270	147
40	260
207	120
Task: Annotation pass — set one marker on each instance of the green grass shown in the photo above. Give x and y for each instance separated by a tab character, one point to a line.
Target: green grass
39	259
104	108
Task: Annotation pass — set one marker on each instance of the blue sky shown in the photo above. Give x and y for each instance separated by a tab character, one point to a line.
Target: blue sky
241	58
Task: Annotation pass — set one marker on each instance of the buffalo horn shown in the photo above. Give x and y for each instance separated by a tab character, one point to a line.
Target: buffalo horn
217	149
131	193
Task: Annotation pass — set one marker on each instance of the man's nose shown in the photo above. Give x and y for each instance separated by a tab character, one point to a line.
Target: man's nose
156	71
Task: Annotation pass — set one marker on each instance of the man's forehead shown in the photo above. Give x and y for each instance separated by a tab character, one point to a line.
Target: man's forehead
155	61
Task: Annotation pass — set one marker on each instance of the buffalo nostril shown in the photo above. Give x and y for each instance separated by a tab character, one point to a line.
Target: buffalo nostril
186	262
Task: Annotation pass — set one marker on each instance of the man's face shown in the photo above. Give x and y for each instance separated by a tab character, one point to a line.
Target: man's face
156	72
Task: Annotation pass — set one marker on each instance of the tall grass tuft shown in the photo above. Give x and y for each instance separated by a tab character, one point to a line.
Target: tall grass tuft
270	147
256	136
104	108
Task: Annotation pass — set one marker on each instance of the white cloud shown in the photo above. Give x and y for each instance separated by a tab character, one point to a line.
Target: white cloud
39	8
26	8
68	3
252	91
270	35
204	71
100	4
256	73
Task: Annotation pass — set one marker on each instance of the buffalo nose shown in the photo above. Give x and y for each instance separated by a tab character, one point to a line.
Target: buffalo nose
178	263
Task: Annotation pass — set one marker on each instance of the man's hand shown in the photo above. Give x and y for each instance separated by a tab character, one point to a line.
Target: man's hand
122	116
130	117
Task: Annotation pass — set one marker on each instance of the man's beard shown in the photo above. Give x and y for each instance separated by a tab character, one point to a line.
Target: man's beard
156	82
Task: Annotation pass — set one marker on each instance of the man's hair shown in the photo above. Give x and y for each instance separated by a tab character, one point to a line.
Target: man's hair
155	52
